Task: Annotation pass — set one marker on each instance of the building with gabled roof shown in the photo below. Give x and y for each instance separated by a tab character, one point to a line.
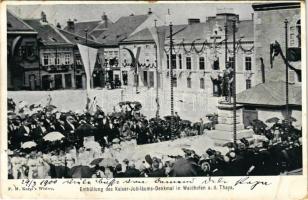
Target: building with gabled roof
60	65
198	61
94	28
121	29
17	25
268	98
22	54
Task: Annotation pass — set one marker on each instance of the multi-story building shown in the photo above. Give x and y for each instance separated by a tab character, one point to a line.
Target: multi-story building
198	57
270	21
147	76
268	98
111	34
60	65
198	60
22	54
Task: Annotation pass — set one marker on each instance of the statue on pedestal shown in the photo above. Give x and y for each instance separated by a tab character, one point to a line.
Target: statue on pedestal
226	84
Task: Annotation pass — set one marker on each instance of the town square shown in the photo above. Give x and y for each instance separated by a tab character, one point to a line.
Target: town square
162	90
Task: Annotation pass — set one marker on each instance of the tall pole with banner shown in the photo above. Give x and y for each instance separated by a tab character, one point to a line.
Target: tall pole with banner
157	78
226	44
171	79
234	85
91	80
88	55
287	77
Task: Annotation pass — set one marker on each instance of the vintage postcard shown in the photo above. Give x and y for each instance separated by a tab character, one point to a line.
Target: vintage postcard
148	100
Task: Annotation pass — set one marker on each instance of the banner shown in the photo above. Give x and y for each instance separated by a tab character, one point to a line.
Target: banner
136	52
159	35
88	56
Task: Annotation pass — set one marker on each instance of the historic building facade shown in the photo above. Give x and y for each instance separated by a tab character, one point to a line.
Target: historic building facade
111	34
268	99
22	54
198	56
60	63
270	21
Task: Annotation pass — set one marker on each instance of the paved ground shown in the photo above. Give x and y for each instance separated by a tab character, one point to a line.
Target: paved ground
190	106
198	143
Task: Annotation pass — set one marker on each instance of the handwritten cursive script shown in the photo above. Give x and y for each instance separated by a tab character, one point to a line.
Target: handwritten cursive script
253	183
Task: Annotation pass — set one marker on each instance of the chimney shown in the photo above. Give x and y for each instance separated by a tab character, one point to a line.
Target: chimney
150	11
43	17
58	25
193	21
71	25
105	20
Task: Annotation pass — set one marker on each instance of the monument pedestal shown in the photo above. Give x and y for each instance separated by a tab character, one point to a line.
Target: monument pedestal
223	132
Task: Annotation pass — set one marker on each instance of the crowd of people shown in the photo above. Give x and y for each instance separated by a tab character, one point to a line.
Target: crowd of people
91	144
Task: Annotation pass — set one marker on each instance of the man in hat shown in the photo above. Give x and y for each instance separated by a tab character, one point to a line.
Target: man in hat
185	168
157	171
131	170
69	127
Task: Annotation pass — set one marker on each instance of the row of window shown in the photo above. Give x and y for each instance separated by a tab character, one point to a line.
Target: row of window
202	62
217	90
202	86
48	60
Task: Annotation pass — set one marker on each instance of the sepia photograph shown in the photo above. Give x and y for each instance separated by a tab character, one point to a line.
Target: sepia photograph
147	90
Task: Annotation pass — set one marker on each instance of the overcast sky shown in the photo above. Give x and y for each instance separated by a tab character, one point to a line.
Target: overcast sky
180	12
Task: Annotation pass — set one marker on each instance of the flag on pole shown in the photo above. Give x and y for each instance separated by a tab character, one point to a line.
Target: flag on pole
159	35
136	52
88	56
168	19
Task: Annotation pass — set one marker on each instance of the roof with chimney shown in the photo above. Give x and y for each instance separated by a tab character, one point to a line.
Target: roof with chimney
95	28
76	39
145	35
47	33
121	29
15	24
271	93
202	31
192	32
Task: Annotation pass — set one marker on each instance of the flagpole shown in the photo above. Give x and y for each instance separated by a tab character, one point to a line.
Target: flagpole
287	77
226	44
136	75
157	80
171	79
234	87
88	69
90	75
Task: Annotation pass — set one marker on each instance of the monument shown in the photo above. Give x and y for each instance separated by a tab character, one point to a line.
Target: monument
224	130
